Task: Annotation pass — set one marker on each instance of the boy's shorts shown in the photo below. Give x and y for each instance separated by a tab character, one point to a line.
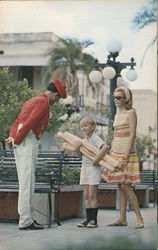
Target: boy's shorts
90	175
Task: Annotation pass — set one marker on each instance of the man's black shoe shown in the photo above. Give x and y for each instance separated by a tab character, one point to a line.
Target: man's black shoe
37	223
33	226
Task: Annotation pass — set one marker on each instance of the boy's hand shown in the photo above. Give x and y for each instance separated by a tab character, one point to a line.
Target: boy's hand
77	145
95	162
123	165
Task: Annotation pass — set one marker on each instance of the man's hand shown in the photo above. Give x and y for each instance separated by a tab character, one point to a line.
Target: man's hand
9	142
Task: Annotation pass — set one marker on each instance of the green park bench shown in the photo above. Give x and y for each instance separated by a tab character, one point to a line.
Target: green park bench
48	177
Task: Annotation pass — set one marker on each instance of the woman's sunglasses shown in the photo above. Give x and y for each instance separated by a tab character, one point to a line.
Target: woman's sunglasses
118	97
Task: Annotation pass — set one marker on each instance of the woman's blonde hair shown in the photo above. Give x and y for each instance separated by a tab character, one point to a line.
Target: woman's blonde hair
88	119
128	95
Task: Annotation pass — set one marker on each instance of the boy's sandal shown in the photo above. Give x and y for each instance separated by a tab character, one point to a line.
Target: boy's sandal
117	223
139	225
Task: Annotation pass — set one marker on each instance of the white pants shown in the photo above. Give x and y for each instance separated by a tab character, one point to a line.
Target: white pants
90	175
26	159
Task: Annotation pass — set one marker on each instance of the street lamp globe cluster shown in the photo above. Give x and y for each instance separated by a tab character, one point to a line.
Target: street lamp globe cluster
111	70
68	101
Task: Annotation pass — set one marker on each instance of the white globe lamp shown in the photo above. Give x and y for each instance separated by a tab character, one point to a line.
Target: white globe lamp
95	76
114	46
131	75
109	72
68	100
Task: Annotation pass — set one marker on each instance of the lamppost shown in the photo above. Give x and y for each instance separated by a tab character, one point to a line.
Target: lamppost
112	70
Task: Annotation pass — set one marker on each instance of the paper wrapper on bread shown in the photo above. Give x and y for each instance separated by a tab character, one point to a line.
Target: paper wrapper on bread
87	149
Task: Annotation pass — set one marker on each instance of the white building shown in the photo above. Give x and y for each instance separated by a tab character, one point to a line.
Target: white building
145	103
26	54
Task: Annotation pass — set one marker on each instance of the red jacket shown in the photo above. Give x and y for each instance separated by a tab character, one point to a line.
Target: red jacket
34	116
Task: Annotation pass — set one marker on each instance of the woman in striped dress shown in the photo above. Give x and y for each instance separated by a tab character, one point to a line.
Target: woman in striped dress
124	151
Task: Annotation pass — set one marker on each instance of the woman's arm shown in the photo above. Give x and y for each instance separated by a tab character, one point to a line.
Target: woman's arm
132	117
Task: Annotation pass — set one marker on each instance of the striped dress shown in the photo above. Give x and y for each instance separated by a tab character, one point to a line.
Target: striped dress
118	149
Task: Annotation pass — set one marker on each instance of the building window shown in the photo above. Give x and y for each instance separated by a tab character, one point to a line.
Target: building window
26	72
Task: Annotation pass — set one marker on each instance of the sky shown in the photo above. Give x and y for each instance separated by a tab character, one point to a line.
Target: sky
97	20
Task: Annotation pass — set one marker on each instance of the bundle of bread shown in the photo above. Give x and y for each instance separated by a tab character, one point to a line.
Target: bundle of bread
87	149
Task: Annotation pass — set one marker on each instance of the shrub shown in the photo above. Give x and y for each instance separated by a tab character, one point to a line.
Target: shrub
70	175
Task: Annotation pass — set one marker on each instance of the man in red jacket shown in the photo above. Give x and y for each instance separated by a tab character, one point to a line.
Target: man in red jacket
23	137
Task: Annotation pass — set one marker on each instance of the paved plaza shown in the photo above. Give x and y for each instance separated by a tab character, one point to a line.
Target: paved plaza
68	236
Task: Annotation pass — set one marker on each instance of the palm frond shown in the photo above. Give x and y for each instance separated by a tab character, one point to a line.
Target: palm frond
66	61
145	16
86	43
151	44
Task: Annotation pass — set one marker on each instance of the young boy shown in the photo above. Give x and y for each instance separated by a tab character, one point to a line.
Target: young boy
90	172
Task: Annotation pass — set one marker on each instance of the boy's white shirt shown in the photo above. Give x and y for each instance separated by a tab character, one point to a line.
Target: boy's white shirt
96	141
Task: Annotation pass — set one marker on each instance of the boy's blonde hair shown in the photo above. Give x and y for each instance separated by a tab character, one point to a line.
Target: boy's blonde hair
87	119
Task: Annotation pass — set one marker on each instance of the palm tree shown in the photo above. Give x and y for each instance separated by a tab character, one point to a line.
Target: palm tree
66	61
144	17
